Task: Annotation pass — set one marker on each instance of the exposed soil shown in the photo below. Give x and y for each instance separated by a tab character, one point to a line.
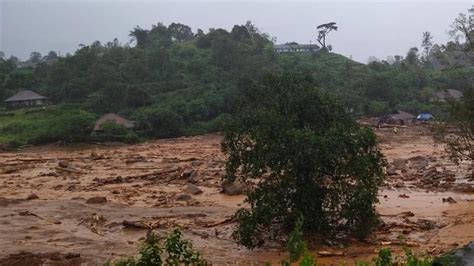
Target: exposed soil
86	204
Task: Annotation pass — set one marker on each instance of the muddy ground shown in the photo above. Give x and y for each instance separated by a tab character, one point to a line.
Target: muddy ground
48	210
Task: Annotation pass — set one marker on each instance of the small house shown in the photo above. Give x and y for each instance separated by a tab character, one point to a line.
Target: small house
26	98
296	48
115	118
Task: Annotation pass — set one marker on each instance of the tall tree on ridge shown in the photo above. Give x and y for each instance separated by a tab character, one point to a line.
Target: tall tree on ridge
323	31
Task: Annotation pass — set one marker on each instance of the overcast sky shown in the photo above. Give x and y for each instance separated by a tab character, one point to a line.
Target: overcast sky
366	28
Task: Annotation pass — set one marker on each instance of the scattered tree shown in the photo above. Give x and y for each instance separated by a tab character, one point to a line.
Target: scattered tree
426	43
140	37
180	32
323	31
35	57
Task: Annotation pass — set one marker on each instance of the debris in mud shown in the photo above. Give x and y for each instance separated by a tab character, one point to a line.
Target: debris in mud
13	169
95	156
96	200
330	253
151	188
192	189
405	196
399	163
449	200
63	164
68	170
136	159
232	188
28	213
32	196
407	214
189	174
183	197
139	225
4	202
52	258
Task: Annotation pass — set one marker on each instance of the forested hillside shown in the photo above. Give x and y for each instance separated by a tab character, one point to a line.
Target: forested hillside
173	82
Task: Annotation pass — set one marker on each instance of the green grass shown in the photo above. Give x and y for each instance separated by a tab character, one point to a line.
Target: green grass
43	125
20	125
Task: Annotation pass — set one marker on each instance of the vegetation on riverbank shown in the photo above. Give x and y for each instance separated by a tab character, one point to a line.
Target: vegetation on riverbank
177	82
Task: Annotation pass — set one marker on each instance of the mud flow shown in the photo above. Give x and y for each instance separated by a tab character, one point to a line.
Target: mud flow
82	205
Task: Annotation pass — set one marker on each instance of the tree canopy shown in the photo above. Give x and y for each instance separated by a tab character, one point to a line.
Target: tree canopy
310	158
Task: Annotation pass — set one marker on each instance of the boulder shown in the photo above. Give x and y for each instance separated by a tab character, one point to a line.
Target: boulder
232	188
190	174
399	163
192	189
32	196
391	171
96	200
63	164
419	162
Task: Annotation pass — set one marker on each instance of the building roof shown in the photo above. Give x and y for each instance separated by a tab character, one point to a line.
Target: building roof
296	46
449	93
401	115
113	118
25	95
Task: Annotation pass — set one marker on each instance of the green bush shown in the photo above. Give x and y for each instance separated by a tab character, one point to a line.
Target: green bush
63	124
112	131
296	245
68	126
311	157
160	122
176	250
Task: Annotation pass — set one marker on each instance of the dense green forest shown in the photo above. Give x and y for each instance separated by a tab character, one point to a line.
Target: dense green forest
173	82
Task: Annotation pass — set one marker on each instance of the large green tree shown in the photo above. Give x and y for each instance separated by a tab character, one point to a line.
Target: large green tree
308	158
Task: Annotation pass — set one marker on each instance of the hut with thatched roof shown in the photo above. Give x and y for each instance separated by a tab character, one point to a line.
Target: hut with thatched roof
26	98
114	118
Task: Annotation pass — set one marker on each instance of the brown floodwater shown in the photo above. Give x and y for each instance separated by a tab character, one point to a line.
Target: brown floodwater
143	183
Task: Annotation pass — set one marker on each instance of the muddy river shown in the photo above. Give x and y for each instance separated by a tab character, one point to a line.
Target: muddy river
86	204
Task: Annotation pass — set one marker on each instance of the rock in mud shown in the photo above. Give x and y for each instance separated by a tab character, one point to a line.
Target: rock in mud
63	164
50	258
449	200
399	185
391	170
192	189
32	196
232	188
95	156
96	200
190	174
399	163
419	162
183	197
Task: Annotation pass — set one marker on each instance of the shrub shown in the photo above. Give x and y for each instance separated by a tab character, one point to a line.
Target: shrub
311	159
160	122
296	245
112	131
69	126
176	250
